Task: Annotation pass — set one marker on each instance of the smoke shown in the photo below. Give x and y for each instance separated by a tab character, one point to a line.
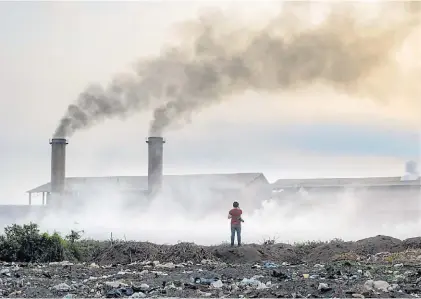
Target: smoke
313	216
350	53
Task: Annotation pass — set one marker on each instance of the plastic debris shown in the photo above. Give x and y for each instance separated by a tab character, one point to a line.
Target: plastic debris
269	265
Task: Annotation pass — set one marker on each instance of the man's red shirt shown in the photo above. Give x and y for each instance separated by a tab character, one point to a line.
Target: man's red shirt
236	214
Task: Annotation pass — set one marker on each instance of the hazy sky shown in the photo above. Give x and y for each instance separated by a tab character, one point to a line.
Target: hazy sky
50	51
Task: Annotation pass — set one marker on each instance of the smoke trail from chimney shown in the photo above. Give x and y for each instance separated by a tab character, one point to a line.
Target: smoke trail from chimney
344	51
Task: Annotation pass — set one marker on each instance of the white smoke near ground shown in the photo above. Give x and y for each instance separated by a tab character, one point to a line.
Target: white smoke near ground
345	214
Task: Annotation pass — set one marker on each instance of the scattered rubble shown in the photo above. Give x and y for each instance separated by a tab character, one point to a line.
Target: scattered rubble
374	267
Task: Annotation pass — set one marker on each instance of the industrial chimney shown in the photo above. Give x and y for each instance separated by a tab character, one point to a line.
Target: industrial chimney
58	164
411	172
155	163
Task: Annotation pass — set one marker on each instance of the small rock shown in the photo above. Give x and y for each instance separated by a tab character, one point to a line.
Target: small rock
62	287
217	284
144	286
66	263
323	287
357	295
398	265
115	284
93	265
171	286
381	285
166	266
393	287
369	285
138	295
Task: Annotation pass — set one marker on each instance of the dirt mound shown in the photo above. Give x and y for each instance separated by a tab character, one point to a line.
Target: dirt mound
184	252
257	253
244	254
412	243
329	251
377	244
127	252
283	253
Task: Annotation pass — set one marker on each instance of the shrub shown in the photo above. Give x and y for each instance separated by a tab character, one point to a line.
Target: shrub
72	246
26	244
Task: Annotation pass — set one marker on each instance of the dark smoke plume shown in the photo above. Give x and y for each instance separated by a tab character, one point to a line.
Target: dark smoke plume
345	52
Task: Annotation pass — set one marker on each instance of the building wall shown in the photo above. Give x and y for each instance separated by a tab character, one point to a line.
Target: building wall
371	205
400	204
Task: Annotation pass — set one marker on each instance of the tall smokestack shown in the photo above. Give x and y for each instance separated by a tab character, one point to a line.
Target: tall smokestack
155	160
411	172
58	164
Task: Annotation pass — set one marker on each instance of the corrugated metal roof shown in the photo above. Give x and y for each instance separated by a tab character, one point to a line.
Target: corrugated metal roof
324	182
140	183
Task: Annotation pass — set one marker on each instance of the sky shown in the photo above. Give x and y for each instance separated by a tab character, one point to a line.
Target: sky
52	50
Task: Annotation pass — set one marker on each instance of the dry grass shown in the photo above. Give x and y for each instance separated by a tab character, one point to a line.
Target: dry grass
347	256
409	255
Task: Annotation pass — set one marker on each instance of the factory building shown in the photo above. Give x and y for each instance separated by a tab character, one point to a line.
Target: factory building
386	196
376	199
192	189
207	190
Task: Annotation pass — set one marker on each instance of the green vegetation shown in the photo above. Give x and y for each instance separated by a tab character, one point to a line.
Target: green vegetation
25	243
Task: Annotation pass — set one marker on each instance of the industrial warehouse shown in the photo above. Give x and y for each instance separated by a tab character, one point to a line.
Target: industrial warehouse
383	194
250	188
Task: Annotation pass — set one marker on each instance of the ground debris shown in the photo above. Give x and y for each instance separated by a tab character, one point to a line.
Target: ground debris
373	267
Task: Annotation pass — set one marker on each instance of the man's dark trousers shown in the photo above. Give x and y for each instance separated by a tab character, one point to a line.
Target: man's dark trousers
236	228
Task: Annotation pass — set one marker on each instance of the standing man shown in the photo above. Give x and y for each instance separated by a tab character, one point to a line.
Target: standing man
235	215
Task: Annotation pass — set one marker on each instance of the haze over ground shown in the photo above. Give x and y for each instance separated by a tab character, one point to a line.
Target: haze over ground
51	51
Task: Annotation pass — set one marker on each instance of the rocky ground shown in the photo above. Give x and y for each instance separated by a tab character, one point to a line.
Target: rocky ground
375	267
